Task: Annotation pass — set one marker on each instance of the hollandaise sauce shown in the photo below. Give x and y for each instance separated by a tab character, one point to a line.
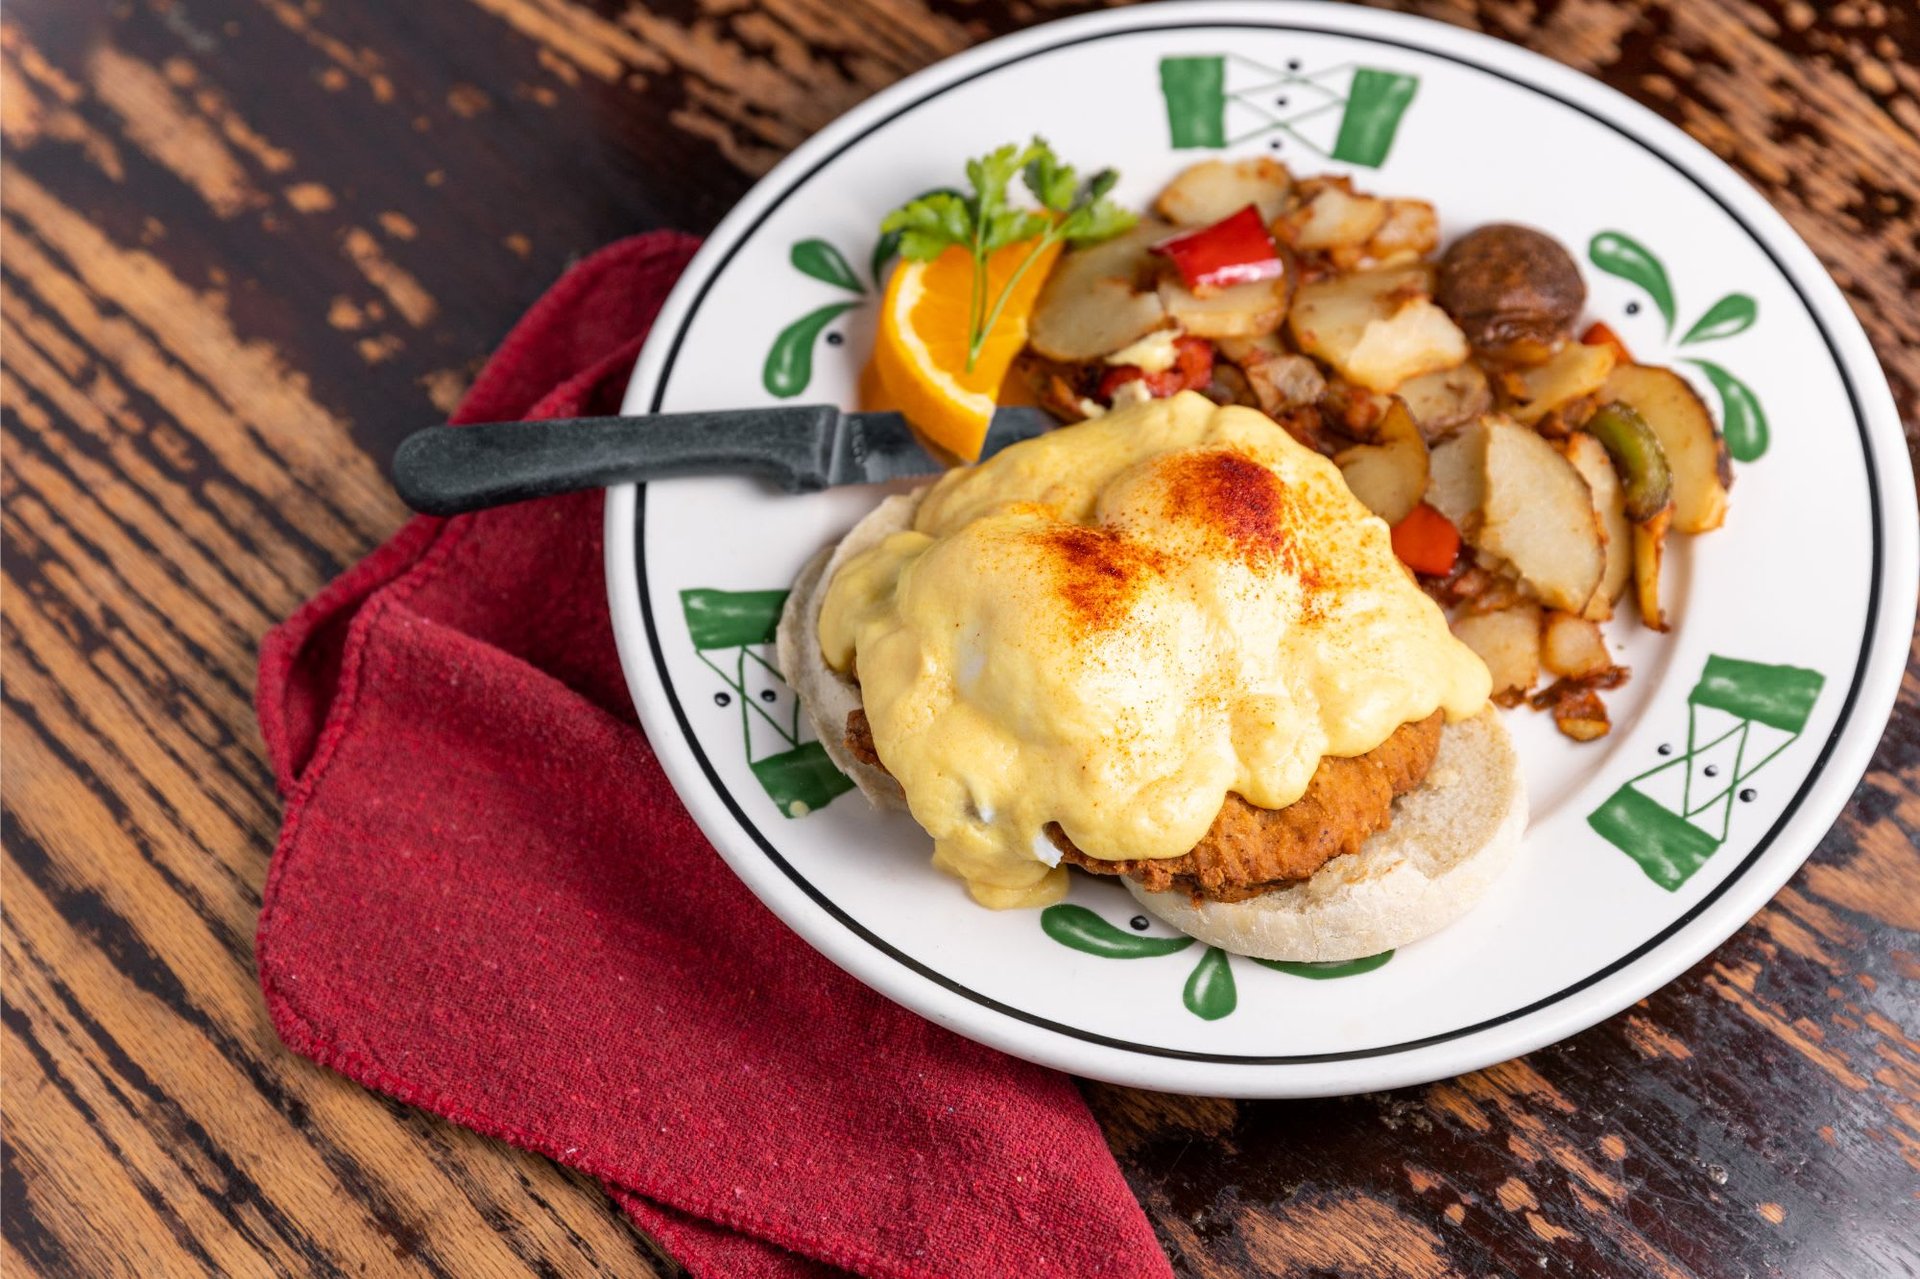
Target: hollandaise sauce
1115	624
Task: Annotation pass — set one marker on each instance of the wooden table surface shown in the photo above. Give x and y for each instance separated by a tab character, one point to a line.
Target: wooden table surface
249	243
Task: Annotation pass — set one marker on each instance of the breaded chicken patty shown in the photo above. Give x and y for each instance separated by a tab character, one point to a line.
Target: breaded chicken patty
1248	850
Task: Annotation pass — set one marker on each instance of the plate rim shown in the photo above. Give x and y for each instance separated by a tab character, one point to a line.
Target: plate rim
1785	846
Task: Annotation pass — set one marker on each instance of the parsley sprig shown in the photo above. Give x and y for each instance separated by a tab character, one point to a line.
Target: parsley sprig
1070	210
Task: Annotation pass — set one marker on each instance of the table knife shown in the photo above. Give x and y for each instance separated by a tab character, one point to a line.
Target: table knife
447	470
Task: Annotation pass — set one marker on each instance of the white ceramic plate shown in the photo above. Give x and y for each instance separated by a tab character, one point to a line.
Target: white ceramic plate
1734	747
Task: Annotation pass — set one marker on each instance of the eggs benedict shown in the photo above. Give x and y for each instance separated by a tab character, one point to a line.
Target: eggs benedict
1168	645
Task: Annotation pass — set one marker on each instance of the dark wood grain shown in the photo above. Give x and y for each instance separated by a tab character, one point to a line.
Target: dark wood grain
248	244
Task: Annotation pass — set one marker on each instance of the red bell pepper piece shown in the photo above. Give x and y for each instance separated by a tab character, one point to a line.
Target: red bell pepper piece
1600	333
1192	369
1426	541
1234	250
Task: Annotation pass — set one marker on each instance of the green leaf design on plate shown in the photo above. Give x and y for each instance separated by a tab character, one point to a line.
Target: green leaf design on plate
1080	928
1329	969
1620	254
727	619
1668	830
1734	313
802	780
789	364
822	261
1375	104
1195	90
1742	421
1210	994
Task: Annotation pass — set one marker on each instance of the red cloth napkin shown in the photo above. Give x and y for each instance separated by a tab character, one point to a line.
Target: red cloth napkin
488	902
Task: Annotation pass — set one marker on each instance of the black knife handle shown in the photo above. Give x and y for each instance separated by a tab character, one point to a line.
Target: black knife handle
447	470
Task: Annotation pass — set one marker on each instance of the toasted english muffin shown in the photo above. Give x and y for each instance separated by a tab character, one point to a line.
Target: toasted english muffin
828	696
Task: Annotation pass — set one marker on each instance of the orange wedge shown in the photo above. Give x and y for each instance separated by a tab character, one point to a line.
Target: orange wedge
873	398
920	354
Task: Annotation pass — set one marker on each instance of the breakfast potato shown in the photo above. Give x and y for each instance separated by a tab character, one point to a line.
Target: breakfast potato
1333	216
1574	371
1092	305
1573	646
1695	453
1508	641
1206	192
1417	338
1238	311
1389	476
1376	328
1649	549
1444	399
1537	514
1590	458
1411	230
1457	478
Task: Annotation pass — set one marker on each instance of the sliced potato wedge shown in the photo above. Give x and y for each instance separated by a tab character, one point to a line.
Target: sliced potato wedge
1590	458
1376	328
1091	307
1444	399
1457	478
1334	216
1239	311
1573	646
1418	338
1575	370
1508	641
1538	516
1696	455
1411	229
1214	189
1390	476
1649	549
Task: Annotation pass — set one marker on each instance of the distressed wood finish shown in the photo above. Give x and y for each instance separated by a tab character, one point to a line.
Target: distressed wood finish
249	243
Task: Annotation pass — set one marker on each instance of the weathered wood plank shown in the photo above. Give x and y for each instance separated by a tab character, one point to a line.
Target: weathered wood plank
250	243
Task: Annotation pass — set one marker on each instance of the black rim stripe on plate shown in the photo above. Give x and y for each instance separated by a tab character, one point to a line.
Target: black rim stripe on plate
1154	1050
